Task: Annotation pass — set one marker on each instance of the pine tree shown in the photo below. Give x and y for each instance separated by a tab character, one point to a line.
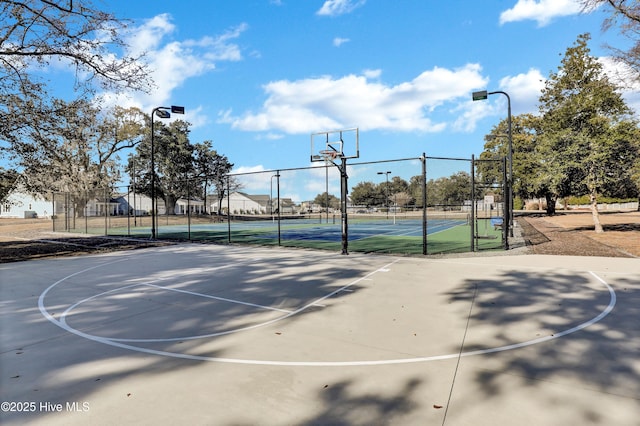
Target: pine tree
585	128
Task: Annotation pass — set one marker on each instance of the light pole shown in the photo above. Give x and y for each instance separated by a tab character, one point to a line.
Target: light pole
386	191
161	112
483	95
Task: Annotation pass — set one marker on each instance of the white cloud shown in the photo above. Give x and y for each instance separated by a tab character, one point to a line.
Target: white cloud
249	169
542	11
258	180
372	74
339	7
469	114
175	61
197	116
316	179
624	77
523	89
312	104
254	179
339	41
149	35
620	73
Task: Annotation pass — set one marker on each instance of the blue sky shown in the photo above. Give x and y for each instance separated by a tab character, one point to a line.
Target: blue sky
257	77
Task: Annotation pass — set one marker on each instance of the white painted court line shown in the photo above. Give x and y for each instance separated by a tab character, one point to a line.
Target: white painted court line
121	342
63	316
222	299
115	341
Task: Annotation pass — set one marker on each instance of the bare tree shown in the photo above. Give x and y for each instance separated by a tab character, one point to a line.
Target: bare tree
35	32
59	144
625	17
8	181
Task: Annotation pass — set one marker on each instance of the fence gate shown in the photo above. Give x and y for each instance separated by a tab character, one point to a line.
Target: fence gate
490	206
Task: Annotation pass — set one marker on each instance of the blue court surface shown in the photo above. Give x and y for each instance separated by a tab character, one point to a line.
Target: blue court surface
360	229
303	229
240	335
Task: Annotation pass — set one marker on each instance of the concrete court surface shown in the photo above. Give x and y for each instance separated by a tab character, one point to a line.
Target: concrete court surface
219	335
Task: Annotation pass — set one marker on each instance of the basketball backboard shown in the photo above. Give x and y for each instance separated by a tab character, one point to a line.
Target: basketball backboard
333	144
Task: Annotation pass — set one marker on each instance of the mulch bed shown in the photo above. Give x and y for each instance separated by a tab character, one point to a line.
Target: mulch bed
545	237
46	246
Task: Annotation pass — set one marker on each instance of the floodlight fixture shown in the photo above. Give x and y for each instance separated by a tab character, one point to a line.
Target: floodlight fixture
480	96
161	113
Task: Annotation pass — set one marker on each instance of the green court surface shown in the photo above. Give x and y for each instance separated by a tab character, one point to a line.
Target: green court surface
389	236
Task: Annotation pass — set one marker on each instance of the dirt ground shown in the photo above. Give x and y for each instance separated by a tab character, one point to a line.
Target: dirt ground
572	234
561	234
26	239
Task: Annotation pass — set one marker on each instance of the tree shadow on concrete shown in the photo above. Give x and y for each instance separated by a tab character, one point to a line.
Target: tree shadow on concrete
71	368
521	306
344	405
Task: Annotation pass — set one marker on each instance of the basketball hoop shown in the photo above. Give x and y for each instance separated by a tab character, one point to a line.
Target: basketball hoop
330	154
334	144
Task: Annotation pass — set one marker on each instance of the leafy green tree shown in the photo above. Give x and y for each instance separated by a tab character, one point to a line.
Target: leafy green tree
490	169
449	192
415	189
324	201
174	164
182	169
585	128
457	189
401	199
211	168
365	194
434	192
397	185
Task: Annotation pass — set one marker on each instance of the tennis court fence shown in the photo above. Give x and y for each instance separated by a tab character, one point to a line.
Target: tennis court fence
422	205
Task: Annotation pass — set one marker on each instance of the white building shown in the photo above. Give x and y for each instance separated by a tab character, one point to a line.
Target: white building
24	206
194	206
137	204
241	203
141	205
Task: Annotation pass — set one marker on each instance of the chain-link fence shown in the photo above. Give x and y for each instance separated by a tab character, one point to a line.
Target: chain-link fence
422	205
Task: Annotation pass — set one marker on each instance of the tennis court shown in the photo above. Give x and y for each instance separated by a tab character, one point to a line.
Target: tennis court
219	334
398	234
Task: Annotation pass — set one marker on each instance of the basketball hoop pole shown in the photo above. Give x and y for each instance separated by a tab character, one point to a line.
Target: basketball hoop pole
342	167
334	149
343	205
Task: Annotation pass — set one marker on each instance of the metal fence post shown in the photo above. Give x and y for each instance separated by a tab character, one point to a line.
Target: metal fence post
188	209
279	206
506	210
473	204
424	203
228	209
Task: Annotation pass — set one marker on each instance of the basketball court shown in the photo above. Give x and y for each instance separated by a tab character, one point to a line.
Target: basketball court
210	334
